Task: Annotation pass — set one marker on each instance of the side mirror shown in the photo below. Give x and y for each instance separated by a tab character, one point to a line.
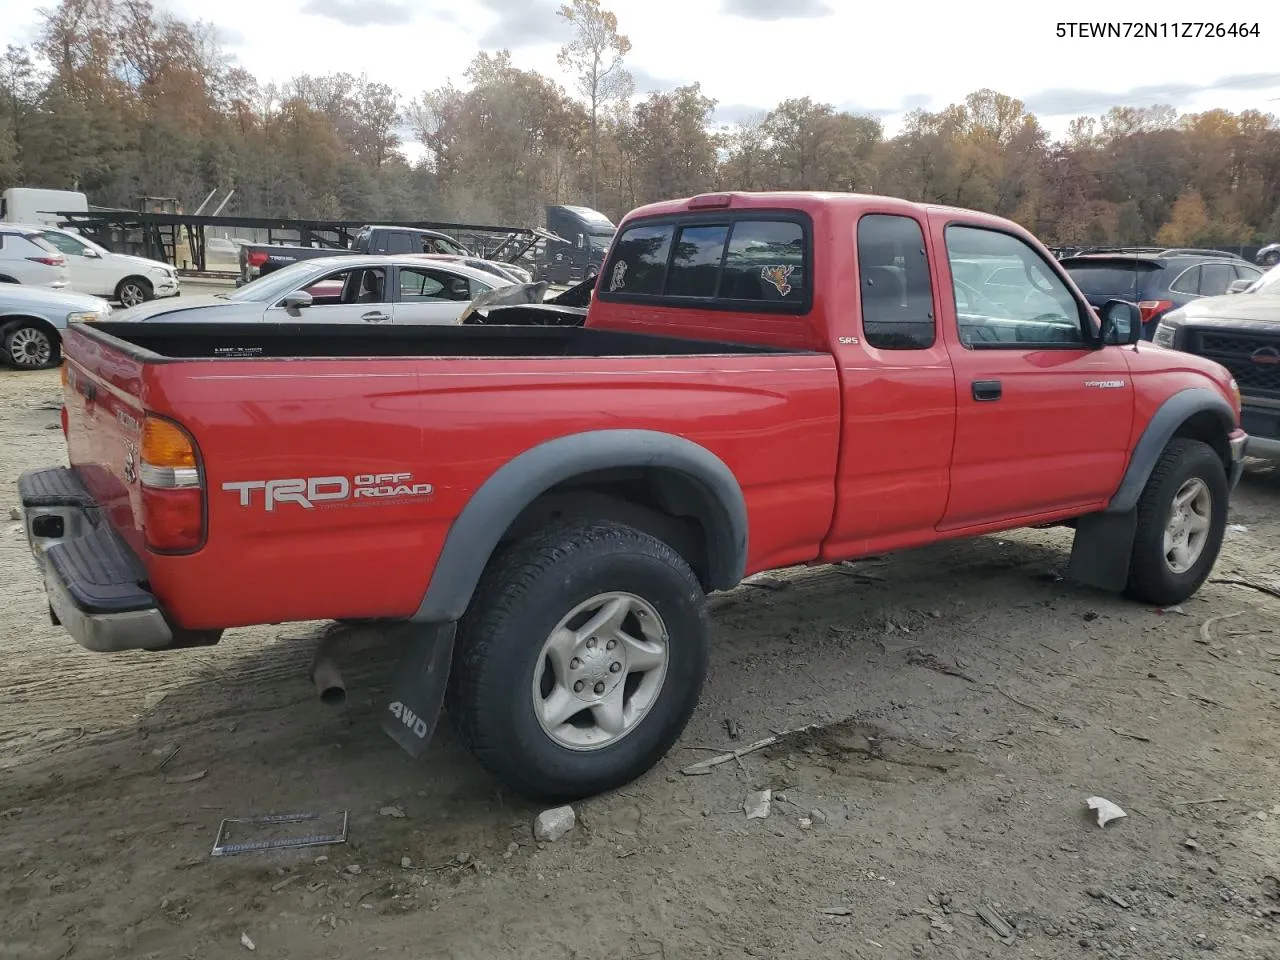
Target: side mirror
1239	286
1121	322
91	253
581	241
296	301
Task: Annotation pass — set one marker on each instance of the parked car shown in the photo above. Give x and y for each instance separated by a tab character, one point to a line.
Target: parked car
1268	256
1241	332
1157	282
257	260
536	515
507	271
98	272
33	320
350	289
27	258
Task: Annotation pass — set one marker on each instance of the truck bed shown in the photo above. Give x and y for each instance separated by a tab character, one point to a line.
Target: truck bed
159	342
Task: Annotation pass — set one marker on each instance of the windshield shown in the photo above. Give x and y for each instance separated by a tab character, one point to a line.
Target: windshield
1269	282
277	283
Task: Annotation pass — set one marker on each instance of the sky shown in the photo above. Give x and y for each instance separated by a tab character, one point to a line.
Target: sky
879	59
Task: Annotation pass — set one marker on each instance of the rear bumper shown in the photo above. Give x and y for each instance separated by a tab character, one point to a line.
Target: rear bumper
92	579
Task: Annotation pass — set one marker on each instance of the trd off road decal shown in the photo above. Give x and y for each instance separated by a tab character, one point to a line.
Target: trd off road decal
777	277
308	492
619	277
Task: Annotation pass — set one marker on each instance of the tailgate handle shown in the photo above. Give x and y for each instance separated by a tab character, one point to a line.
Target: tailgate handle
986	390
375	317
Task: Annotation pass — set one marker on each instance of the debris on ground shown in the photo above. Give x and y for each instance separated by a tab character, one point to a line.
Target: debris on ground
187	777
354	869
836	911
1238	528
756	806
805	823
392	811
731	727
1178	610
1107	811
246	942
1206	628
705	766
1190	844
768	582
405	863
992	919
551	825
15	513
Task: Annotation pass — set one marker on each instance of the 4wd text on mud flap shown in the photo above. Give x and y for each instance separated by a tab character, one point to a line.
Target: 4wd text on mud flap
409	719
307	491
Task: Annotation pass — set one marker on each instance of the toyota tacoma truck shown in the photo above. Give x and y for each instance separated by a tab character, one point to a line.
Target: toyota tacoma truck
537	513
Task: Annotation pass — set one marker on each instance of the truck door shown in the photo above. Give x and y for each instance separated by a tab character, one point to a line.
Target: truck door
1042	417
898	394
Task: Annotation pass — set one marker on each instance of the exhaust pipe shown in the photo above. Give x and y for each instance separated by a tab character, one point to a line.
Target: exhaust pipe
328	681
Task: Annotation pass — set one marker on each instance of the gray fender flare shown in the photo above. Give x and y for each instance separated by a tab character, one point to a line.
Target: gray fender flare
478	529
1171	415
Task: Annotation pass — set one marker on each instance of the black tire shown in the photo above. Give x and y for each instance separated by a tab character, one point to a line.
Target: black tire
524	593
132	291
1152	578
32	346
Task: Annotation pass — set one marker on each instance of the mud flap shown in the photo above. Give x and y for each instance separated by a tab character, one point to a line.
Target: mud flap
1102	549
419	686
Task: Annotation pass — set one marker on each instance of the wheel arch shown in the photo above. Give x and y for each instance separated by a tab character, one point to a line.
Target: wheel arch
666	485
1197	413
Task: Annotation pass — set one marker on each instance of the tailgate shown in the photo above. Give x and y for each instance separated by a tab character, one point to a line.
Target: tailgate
102	392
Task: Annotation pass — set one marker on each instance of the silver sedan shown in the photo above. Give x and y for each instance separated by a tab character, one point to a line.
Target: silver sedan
341	289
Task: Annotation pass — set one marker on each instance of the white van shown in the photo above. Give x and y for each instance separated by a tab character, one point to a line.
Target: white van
32	206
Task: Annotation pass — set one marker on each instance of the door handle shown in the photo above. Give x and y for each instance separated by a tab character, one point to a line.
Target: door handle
374	317
986	389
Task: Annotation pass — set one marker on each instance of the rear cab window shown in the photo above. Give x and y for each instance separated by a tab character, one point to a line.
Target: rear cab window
751	260
894	288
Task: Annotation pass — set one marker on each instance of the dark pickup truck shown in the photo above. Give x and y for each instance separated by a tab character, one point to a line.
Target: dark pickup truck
259	259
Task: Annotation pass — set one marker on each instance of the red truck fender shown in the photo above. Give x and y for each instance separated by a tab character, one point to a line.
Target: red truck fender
697	485
1100	554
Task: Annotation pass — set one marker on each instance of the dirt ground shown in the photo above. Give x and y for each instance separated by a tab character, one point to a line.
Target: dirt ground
969	701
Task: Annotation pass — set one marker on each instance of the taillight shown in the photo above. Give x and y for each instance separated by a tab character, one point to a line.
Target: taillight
49	261
172	487
256	258
1151	309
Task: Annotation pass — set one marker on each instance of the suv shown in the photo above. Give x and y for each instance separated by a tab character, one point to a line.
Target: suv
1241	332
26	257
98	272
1157	281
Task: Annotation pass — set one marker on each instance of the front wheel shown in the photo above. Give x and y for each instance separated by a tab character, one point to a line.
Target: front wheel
30	346
133	291
581	660
1182	515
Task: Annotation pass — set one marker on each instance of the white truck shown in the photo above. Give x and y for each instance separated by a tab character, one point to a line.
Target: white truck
36	206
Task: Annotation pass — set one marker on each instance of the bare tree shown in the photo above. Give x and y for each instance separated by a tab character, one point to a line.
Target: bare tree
595	56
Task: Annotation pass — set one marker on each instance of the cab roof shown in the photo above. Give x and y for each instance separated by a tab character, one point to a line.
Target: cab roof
804	201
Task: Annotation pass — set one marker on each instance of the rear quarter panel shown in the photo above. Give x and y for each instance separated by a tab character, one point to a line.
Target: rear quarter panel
452	423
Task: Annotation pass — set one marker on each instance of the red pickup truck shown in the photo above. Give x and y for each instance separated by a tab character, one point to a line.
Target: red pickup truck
538	512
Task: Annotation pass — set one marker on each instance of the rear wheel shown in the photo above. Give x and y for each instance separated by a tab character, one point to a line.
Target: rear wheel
1182	515
581	660
31	346
132	291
